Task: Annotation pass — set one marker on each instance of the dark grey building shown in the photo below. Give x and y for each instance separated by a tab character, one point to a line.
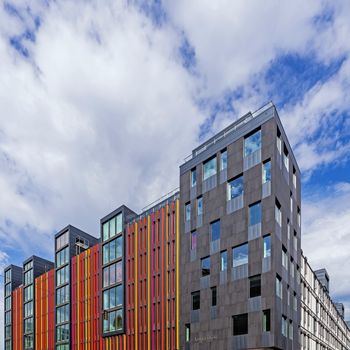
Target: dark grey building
69	242
13	279
33	267
240	242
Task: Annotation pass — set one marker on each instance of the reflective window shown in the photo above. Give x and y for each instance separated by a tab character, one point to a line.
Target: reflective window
286	159
255	214
279	286
28	293
62	257
235	188
112	274
8	332
8	317
28	341
113	250
223	160
62	275
223	261
112	227
62	295
278	213
8	303
113	297
252	143
188	212
28	277
113	321
267	246
240	255
7	289
62	240
196	300
215	230
188	332
8	276
62	314
209	168
199	206
62	333
194	240
193	177
266	175
28	325
28	265
28	309
205	265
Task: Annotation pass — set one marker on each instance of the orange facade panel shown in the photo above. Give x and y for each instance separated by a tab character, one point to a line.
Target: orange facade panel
45	311
17	318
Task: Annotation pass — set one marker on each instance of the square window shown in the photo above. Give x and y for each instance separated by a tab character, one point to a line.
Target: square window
240	255
209	168
240	324
252	143
235	188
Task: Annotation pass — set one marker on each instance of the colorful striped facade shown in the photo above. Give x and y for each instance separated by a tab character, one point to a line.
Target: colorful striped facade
45	311
86	300
17	318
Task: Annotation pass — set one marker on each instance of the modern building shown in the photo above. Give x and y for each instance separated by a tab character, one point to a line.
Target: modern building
322	321
216	264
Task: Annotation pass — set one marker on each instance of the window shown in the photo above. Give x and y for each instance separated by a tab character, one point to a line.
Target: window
255	286
28	341
113	250
62	314
28	325
278	213
279	286
194	240
266	174
252	143
291	204
7	303
240	324
199	206
8	317
295	241
205	266
28	277
8	332
299	217
284	326
266	320
7	289
193	177
196	300
113	321
223	160
279	141
112	274
215	230
62	257
28	293
240	255
62	295
28	265
113	297
8	276
223	261
295	303
188	212
284	258
286	158
28	309
113	227
213	296
255	214
62	333
209	168
62	275
235	188
187	332
62	240
267	246
291	330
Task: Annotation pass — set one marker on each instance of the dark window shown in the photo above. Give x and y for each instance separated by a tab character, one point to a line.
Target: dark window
196	300
255	286
188	332
205	265
266	321
213	296
215	230
240	324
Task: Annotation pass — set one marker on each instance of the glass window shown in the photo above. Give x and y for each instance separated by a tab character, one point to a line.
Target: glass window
62	240
8	332
252	143
188	332
28	277
255	286
223	261
28	265
279	286
284	326
119	271
62	275
62	333
7	303
28	293
286	159
28	341
119	247
213	296
193	177
284	258
8	276
62	257
105	231
112	227
28	309
215	230
28	325
194	240
223	160
62	295
255	214
199	206
266	176
209	168
266	321
119	223
205	265
235	188
8	317
7	289
240	324
294	178
240	255
278	213
291	329
299	218
196	300
113	250
62	314
188	212
267	246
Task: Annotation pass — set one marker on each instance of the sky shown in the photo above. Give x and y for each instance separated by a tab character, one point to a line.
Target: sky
100	99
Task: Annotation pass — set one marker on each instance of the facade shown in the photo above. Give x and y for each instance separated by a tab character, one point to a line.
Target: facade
322	325
217	264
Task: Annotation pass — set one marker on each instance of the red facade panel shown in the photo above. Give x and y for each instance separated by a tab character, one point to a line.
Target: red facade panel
17	318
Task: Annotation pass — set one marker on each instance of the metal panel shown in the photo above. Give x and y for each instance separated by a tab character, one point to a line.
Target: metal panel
234	204
267	339
214	246
209	183
254	304
223	277
199	220
254	231
239	342
278	231
187	226
252	160
193	192
193	254
194	316
286	174
266	264
205	282
223	176
240	272
266	189
213	312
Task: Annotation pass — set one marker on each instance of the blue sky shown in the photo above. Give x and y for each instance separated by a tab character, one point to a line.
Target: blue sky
98	100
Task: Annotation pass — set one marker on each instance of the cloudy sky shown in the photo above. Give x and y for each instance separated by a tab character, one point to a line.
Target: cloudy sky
100	100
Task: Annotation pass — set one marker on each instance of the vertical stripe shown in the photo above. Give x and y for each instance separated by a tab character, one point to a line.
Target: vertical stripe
149	283
177	239
136	287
